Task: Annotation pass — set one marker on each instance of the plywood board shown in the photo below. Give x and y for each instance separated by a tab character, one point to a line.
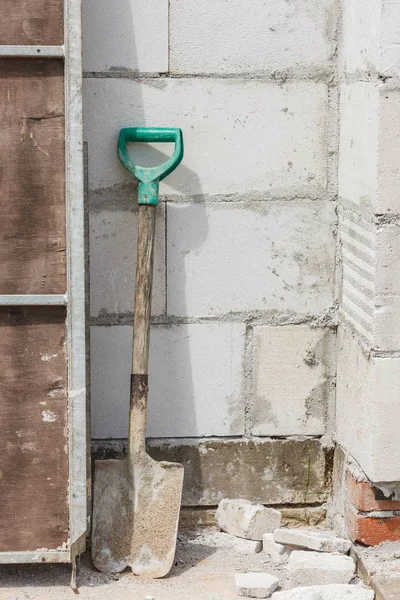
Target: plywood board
33	429
32	177
31	22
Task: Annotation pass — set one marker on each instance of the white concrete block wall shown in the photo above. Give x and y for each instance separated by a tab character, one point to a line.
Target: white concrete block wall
234	143
261	38
245	242
368	181
196	374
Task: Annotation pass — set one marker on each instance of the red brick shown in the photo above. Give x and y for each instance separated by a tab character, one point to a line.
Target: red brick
371	530
362	495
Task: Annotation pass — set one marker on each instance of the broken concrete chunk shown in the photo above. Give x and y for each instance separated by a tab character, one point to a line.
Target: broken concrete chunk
247	546
255	585
278	552
326	592
246	519
316	568
312	539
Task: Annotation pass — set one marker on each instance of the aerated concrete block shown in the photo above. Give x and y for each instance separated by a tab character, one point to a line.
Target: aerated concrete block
272	36
320	541
326	592
246	519
260	256
368	389
278	552
370	142
116	35
295	404
195	380
255	585
113	248
225	127
317	568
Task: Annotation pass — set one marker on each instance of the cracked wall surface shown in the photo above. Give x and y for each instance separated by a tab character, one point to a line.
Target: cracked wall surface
244	307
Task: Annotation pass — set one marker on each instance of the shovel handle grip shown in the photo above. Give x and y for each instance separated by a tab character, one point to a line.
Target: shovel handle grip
149	177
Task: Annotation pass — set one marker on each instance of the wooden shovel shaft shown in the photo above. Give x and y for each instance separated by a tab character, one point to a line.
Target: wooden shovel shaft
141	330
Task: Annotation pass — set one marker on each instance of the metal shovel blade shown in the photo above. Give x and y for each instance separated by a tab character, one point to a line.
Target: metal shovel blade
135	517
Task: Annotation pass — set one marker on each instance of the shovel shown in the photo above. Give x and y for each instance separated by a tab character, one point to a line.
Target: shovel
136	501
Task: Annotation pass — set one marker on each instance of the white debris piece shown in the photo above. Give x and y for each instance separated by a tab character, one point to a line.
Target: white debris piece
312	539
256	585
246	519
278	552
326	592
316	568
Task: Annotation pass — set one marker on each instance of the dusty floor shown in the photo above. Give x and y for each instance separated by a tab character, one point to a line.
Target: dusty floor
206	561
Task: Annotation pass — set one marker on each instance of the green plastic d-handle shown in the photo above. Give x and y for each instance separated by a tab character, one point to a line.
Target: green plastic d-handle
149	177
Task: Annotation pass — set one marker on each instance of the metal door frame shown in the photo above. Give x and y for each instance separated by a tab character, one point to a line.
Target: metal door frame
74	298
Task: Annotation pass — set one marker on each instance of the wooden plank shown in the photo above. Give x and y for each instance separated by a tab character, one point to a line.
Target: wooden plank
32	177
33	429
31	22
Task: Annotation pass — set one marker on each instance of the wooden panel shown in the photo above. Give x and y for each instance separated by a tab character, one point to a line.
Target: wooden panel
33	429
32	177
31	22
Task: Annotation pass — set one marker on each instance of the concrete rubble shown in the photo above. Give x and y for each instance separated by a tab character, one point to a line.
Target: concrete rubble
319	541
316	568
278	552
246	519
326	592
256	585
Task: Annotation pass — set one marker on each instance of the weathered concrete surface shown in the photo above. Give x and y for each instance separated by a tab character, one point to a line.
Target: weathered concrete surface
317	568
246	519
380	567
286	258
255	585
320	541
326	592
293	162
265	471
295	404
195	376
113	247
278	552
116	36
271	36
368	410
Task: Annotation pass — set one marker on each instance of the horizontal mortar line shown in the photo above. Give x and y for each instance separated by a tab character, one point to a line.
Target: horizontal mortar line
32	51
385	353
279	78
276	319
210	438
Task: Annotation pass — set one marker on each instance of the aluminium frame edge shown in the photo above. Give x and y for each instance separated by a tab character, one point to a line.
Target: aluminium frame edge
76	354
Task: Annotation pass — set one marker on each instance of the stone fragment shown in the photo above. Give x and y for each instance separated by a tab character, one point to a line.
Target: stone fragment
278	552
316	568
320	541
246	519
326	592
256	585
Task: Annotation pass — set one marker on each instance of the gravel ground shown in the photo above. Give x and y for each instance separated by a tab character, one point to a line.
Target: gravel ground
206	560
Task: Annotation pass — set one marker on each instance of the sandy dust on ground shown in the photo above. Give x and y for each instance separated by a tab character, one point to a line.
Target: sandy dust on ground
205	564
